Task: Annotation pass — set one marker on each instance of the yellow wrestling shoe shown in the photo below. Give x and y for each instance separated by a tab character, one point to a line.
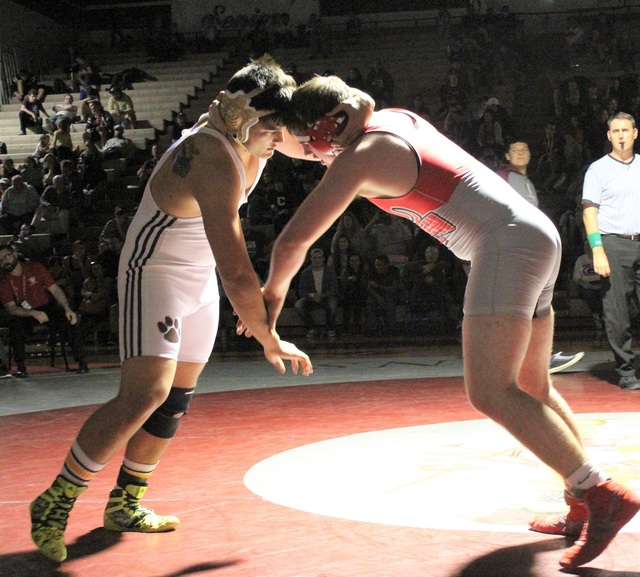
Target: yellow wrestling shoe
49	514
124	513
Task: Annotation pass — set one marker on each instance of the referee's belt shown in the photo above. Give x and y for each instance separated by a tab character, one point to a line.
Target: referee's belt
635	237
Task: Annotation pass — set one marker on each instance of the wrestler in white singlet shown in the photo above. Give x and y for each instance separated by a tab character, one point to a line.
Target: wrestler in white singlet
167	284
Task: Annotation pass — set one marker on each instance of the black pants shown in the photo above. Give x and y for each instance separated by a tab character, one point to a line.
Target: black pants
617	290
21	327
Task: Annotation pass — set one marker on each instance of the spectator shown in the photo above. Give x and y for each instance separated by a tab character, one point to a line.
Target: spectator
118	146
43	147
28	246
62	144
426	284
87	94
52	214
50	167
515	173
350	227
4	184
121	108
318	289
145	171
384	289
100	124
32	173
35	302
65	109
490	133
29	114
9	169
19	203
388	235
92	174
115	230
95	305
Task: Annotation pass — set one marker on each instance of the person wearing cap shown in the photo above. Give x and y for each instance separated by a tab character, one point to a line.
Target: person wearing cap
186	232
120	105
404	166
118	146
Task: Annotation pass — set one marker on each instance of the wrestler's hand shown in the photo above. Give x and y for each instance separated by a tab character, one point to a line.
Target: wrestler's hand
359	108
284	350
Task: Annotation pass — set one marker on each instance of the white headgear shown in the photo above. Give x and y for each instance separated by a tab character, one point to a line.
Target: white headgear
238	114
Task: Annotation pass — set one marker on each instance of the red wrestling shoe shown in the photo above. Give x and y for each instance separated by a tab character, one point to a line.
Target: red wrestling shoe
569	524
611	506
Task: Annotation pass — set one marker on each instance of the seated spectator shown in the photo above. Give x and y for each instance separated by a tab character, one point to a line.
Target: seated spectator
350	227
125	78
383	296
29	114
95	304
118	146
88	93
28	246
100	124
32	173
92	174
9	169
43	147
121	108
145	171
19	204
318	289
115	230
53	212
4	184
390	236
380	85
490	133
50	167
35	302
62	144
61	276
65	109
425	281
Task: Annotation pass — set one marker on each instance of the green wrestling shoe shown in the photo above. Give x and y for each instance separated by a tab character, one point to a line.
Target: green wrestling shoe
124	513
49	514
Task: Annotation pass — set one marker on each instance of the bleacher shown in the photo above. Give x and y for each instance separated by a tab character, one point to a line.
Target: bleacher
156	102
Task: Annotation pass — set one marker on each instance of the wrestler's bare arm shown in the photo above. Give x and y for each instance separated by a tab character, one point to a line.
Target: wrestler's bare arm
378	165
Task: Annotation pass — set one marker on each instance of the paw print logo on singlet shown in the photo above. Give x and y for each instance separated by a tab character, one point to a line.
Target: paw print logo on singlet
170	329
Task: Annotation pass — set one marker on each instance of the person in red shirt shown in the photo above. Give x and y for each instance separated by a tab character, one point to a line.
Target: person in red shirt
31	296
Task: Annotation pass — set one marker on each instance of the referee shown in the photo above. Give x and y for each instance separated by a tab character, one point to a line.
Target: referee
611	215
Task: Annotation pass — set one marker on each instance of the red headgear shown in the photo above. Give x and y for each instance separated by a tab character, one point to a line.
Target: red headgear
323	132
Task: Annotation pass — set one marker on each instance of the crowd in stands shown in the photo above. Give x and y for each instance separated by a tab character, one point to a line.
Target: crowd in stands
373	264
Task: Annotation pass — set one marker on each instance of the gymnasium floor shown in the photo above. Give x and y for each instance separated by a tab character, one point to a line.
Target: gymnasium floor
375	466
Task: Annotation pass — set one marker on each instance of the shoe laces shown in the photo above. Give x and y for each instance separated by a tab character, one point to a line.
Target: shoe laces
58	508
132	504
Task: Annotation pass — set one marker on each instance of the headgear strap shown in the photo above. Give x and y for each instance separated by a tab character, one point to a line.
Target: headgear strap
238	114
